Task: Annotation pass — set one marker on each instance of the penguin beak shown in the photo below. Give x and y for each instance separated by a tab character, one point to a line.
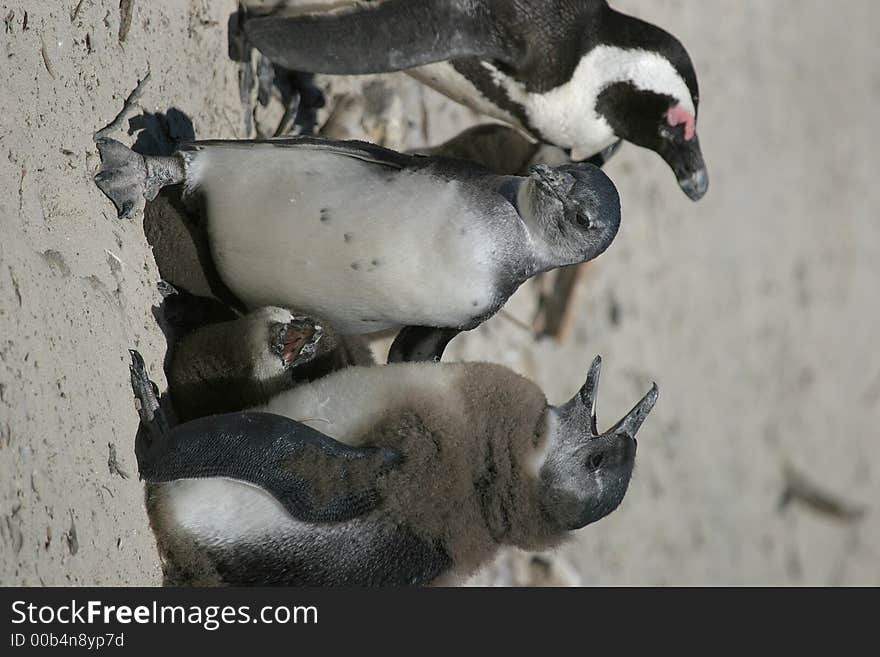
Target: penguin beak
588	392
633	420
686	160
695	185
582	408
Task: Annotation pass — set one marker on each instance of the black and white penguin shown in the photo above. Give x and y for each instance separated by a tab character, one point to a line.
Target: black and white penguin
574	73
407	474
370	239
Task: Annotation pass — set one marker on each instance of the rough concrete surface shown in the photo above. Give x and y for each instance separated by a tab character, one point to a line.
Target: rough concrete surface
755	310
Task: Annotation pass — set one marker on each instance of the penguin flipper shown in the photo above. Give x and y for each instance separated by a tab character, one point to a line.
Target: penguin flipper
402	34
315	478
186	312
601	158
359	150
420	343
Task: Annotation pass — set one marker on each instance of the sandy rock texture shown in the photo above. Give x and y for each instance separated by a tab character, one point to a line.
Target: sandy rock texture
77	285
755	310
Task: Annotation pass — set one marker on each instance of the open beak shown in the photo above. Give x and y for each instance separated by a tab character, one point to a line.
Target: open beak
583	406
629	425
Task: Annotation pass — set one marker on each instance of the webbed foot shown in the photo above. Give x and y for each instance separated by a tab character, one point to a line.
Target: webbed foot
127	177
122	176
154	423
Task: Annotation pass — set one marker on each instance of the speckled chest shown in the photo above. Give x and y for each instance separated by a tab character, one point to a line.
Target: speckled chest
362	245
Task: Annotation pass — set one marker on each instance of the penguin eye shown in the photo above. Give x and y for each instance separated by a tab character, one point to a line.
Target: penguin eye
595	461
667	133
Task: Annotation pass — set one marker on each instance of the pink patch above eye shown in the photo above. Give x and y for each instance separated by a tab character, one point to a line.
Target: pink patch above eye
678	115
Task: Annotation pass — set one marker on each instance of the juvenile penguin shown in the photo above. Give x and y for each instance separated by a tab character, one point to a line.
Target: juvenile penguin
417	475
573	73
231	365
370	239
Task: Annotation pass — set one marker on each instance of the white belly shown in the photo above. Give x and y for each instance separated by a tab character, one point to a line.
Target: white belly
362	246
564	116
221	512
345	404
443	77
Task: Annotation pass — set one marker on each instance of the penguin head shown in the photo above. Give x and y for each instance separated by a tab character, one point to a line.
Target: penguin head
576	209
585	474
650	97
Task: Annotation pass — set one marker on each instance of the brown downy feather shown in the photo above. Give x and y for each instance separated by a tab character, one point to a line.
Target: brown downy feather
465	480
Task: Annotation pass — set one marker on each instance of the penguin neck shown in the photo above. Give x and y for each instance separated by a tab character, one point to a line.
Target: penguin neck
619	48
598	69
507	426
509	187
527	525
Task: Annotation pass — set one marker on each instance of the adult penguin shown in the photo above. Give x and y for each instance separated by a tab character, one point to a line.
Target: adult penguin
573	73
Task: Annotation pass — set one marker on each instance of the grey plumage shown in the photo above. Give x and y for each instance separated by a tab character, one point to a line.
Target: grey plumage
402	239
